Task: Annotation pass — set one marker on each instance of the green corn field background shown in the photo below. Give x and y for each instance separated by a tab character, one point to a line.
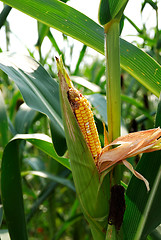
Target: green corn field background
50	187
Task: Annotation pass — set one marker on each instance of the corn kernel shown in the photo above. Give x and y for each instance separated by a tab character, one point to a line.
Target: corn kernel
82	110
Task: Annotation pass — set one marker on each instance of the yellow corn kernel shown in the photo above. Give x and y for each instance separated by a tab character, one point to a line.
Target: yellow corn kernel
82	110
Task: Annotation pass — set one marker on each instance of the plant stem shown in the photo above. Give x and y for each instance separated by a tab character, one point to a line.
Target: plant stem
113	88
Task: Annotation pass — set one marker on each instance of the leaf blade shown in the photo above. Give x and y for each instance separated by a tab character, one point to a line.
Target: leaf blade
12	196
75	24
44	143
138	200
3	122
39	91
52	177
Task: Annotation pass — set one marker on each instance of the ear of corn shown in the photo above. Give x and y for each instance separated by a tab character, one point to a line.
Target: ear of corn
93	196
82	110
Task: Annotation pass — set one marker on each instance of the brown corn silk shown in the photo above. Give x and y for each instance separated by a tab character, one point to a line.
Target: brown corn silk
82	110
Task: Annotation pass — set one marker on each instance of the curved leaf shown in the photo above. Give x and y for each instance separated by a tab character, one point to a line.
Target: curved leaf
35	163
99	102
44	194
75	24
4	14
38	89
44	143
11	181
52	177
111	9
12	192
138	105
133	61
3	122
85	83
24	118
156	234
1	214
143	212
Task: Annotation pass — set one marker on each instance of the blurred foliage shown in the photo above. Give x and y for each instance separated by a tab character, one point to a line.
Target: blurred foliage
52	210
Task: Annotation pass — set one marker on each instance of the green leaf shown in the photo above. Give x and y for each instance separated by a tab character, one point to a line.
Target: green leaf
143	210
77	25
42	32
35	163
3	122
134	25
73	217
16	98
44	143
104	15
54	43
38	89
24	118
11	181
4	14
44	194
111	9
12	192
93	197
85	83
52	177
151	3
81	55
1	214
99	102
148	75
156	234
137	104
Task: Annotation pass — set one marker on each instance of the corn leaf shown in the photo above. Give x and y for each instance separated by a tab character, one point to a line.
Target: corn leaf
156	234
93	197
99	102
143	209
44	143
43	31
4	14
111	9
24	118
51	177
3	122
1	214
44	194
12	192
12	196
73	218
38	89
75	24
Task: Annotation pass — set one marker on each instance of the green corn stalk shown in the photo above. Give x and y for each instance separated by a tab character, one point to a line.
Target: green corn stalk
110	13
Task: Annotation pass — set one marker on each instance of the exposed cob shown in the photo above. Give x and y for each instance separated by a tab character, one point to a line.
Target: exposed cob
82	110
